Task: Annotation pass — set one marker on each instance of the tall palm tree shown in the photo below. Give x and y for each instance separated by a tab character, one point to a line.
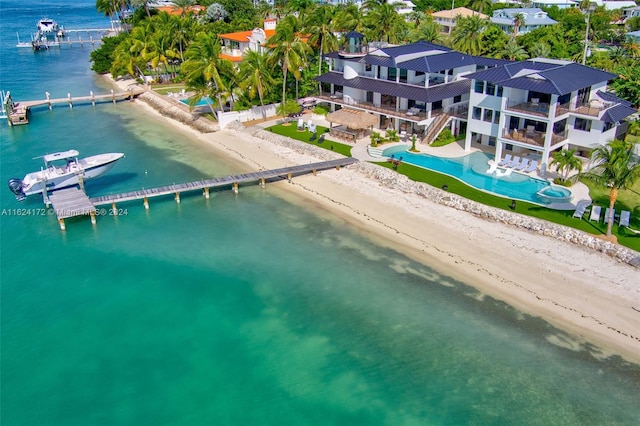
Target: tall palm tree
125	58
203	67
349	18
255	76
428	30
289	51
383	21
112	7
513	51
565	161
142	3
518	21
467	34
320	25
615	166
183	6
480	5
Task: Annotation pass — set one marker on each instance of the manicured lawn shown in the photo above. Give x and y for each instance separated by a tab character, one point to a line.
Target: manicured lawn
163	89
292	132
561	217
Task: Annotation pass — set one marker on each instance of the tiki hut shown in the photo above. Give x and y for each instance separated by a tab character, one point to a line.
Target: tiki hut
352	124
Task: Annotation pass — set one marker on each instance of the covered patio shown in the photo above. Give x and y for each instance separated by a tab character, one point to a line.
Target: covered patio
352	124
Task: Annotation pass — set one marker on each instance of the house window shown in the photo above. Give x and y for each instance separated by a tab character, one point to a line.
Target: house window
607	126
508	147
492	141
499	94
582	124
368	67
491	89
488	115
479	87
457	99
496	117
477	113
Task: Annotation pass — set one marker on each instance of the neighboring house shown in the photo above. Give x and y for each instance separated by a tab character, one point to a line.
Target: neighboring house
560	4
633	36
446	19
172	9
235	44
630	12
534	107
534	18
614	4
417	88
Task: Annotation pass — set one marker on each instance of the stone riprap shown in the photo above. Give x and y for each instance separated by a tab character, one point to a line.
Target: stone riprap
178	112
394	180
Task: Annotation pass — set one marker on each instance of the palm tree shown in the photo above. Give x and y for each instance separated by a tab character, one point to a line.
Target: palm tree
183	5
540	49
467	34
255	76
513	51
615	166
480	5
518	21
289	51
203	67
428	30
349	18
142	3
320	26
112	7
383	22
565	161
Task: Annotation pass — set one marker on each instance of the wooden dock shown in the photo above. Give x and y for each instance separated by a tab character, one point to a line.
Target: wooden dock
17	112
74	202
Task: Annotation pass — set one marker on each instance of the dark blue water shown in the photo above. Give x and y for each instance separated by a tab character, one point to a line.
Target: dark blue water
243	309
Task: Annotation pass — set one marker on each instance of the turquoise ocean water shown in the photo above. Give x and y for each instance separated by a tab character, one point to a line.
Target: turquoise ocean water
242	309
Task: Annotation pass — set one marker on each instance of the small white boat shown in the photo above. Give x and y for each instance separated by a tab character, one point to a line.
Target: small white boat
62	169
47	25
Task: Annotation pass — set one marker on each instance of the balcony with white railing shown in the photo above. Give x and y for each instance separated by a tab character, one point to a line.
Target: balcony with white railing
533	137
231	52
532	108
593	108
411	114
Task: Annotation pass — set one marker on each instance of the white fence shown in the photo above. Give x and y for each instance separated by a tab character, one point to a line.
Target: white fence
255	113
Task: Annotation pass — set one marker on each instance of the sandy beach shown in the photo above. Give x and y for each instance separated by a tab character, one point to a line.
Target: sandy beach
590	295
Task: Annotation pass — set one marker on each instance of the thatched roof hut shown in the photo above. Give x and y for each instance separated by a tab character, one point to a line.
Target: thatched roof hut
352	118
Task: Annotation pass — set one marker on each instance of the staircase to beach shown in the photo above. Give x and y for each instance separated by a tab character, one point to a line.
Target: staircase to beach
435	128
375	152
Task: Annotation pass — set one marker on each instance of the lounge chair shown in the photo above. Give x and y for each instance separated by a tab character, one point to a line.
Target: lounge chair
523	165
608	212
514	162
581	207
313	137
595	213
300	124
625	216
506	160
532	167
321	139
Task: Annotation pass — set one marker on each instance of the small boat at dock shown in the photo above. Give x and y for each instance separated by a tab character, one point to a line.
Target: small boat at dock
62	170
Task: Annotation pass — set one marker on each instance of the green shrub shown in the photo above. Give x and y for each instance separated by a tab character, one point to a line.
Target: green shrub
444	138
320	110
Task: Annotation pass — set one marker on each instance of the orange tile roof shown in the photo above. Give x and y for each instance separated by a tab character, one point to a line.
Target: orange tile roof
230	57
243	36
175	10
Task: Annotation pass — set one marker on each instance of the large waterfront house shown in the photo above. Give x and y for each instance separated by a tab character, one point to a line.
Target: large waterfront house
534	18
234	45
446	19
531	107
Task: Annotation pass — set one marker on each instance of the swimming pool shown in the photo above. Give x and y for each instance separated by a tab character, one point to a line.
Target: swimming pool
471	169
202	102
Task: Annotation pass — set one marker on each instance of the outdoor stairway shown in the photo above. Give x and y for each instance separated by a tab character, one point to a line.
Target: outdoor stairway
435	128
375	152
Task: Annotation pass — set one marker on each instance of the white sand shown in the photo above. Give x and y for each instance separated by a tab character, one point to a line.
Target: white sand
584	292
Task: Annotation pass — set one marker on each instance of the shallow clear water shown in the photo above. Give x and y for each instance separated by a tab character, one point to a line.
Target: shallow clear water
471	169
248	308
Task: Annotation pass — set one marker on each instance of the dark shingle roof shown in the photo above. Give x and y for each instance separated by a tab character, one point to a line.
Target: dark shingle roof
544	77
391	88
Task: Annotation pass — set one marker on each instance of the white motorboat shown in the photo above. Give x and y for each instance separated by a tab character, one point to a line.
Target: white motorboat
49	28
62	169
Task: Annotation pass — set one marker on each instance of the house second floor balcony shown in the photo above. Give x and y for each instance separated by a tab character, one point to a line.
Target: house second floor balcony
231	51
410	114
593	108
531	136
535	107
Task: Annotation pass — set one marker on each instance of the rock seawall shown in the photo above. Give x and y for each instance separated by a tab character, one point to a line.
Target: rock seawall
391	179
176	112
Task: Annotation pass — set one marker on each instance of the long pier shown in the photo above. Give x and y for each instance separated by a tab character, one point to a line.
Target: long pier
74	202
17	112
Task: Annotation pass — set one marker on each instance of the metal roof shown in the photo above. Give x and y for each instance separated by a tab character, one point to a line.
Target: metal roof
617	113
391	88
610	97
544	77
436	63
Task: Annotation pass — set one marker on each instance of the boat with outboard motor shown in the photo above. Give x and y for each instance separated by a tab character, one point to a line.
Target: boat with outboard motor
62	169
47	26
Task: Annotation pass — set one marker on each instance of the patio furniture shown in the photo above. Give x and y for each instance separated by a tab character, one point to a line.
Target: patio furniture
321	139
530	132
532	167
606	217
313	137
300	124
581	207
507	159
514	162
523	165
625	216
595	213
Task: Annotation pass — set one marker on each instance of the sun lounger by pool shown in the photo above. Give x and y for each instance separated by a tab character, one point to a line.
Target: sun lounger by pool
300	124
514	162
595	213
625	216
532	167
523	165
506	160
581	207
608	212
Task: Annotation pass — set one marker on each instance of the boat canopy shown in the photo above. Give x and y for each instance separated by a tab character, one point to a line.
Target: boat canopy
72	153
